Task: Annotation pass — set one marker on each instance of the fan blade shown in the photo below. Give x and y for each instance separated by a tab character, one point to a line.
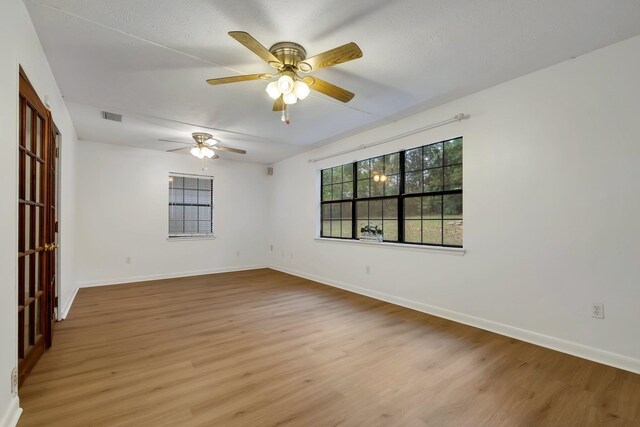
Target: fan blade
254	46
229	149
328	89
235	79
178	149
344	53
278	104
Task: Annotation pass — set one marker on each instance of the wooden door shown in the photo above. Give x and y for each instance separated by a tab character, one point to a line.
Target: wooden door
34	322
51	230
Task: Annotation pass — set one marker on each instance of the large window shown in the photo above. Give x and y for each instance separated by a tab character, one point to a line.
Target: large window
190	205
412	196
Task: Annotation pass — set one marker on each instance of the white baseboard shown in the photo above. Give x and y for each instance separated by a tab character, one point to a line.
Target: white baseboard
67	306
133	279
580	350
12	413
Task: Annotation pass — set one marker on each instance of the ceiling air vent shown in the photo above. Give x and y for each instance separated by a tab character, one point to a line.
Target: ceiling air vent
112	116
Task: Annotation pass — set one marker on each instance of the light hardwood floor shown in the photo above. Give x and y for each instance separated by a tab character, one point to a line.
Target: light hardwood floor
262	348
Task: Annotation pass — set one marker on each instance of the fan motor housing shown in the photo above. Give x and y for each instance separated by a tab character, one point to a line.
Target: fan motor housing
288	53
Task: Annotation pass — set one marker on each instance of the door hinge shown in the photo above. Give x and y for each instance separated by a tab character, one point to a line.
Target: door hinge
57	152
55	227
14	381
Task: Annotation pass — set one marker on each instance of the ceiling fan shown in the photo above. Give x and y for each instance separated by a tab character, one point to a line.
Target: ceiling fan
289	59
204	146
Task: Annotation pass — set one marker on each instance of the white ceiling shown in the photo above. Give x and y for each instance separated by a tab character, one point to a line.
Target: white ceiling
149	59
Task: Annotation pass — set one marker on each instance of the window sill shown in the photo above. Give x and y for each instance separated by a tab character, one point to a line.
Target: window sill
183	238
402	246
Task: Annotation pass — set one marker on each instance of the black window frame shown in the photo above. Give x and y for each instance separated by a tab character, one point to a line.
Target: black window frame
208	202
402	196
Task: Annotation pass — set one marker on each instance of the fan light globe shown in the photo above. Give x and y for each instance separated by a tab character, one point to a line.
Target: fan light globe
285	84
196	152
206	152
383	178
273	91
301	89
290	98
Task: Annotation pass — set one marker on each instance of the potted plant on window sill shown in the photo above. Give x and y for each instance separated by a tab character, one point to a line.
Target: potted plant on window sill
371	233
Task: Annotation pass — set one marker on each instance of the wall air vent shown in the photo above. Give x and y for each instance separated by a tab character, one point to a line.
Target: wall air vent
112	116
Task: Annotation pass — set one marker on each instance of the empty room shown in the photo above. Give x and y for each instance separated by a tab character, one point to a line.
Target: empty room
365	213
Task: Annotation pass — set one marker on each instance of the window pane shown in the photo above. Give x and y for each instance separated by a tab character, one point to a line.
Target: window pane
413	182
390	208
175	227
326	211
412	208
347	172
453	232
178	182
176	212
377	189
336	191
204	214
347	190
453	151
412	231
204	227
375	209
175	196
191	196
392	164
362	210
336	229
346	210
390	230
392	185
326	192
204	184
336	173
363	169
432	232
360	226
191	183
432	207
346	229
363	188
377	165
326	228
204	197
191	227
326	176
413	159
190	212
335	210
432	155
432	180
453	178
453	206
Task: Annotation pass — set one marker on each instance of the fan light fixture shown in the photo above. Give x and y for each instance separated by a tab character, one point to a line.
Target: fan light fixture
379	178
290	90
202	152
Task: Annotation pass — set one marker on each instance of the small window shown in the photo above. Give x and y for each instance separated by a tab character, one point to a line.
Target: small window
190	205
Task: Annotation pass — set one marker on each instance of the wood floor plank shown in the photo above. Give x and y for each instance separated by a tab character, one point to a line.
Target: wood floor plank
263	348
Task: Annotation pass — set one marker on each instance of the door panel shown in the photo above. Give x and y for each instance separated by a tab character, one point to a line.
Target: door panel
34	228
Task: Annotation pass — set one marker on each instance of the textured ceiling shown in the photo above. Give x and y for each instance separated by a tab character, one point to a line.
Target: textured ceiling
149	59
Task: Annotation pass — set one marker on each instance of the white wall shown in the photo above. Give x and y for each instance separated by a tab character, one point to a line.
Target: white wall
123	212
551	186
19	44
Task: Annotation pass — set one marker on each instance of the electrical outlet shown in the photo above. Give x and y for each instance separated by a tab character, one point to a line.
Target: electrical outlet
128	260
367	269
597	311
271	248
14	381
237	253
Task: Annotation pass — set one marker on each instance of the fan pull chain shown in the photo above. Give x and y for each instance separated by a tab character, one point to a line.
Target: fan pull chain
204	164
285	115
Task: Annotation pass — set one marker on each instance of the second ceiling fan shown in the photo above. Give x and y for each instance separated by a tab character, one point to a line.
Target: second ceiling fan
289	59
